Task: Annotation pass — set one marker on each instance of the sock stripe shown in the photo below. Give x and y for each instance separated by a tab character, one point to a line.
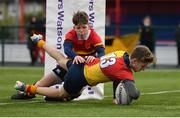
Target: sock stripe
40	43
31	89
28	88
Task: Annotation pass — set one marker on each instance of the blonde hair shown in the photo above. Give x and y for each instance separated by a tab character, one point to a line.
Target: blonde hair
143	54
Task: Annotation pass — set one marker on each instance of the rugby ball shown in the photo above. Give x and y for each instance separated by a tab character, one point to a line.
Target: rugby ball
122	96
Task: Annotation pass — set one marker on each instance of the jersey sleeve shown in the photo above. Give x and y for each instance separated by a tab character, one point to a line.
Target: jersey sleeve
100	51
96	39
68	49
69	36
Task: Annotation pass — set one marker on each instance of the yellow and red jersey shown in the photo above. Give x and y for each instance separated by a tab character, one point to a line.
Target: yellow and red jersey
84	47
108	68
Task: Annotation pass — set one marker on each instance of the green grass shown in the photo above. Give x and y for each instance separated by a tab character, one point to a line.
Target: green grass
154	105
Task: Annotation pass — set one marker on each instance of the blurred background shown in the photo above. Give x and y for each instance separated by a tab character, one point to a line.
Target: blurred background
125	27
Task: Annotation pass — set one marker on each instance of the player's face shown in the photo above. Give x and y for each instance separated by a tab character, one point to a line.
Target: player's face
147	22
137	66
81	29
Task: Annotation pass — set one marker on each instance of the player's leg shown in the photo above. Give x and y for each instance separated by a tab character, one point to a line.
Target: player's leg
19	95
45	91
54	77
52	92
73	82
59	57
60	73
53	52
46	81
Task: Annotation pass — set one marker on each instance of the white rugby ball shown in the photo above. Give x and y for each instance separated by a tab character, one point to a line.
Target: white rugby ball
122	96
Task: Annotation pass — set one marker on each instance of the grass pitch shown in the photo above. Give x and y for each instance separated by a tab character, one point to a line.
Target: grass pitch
160	97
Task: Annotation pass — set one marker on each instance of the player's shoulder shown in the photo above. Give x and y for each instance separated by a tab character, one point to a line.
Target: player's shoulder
70	34
93	32
119	53
72	31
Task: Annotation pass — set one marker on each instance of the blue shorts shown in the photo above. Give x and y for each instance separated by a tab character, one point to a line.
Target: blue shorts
74	80
60	72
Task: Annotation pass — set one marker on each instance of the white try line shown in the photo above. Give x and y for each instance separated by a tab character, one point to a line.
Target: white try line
156	93
160	92
19	102
150	93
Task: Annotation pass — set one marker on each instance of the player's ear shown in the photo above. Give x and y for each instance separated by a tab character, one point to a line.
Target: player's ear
134	60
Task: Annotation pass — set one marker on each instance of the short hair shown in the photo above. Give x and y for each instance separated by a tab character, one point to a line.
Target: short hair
80	17
143	54
147	17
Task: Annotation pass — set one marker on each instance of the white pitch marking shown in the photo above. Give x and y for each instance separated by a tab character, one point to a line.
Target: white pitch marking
150	93
19	102
156	93
160	92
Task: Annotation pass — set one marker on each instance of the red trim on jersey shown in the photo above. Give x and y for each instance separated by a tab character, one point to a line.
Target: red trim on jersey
84	46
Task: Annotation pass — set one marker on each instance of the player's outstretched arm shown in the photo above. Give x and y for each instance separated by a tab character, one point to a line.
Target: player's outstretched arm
53	52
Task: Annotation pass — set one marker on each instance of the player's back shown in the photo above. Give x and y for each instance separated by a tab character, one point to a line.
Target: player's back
108	67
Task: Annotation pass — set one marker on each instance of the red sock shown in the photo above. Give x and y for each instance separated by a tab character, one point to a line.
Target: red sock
31	89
